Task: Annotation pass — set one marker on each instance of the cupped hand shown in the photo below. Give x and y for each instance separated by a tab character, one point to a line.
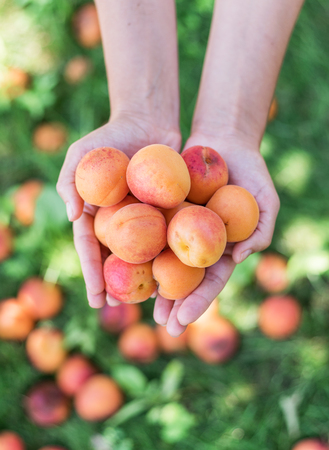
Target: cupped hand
247	168
128	134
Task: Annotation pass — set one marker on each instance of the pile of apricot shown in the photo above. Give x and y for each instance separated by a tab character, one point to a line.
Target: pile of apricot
165	217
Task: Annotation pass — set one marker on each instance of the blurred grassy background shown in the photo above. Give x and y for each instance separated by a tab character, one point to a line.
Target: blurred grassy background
242	404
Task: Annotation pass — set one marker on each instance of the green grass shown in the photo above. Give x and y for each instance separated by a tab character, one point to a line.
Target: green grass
237	405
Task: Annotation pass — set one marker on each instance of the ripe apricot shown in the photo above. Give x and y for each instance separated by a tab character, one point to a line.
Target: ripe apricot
279	316
45	349
77	69
103	215
50	137
169	213
168	343
271	272
208	172
6	242
100	177
311	444
11	441
158	175
213	342
73	373
139	343
129	283
99	398
86	26
197	236
41	299
136	233
238	209
175	279
15	322
115	320
14	82
25	198
274	108
46	405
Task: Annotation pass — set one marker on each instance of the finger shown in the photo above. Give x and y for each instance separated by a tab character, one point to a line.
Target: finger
262	237
174	328
66	184
111	301
214	281
162	308
88	249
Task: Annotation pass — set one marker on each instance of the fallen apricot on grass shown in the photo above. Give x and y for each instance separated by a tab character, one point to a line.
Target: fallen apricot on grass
50	137
15	322
11	441
6	242
25	199
139	343
73	373
311	444
86	26
115	320
271	272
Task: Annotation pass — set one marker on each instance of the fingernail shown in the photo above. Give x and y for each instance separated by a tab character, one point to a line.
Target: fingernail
69	211
245	255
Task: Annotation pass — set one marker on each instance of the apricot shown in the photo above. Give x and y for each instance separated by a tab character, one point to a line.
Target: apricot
73	373
6	242
137	233
271	272
139	343
14	82
168	343
50	137
45	349
40	298
77	69
115	320
274	108
158	175
11	441
169	213
214	342
208	172
46	405
86	26
15	322
99	398
25	199
311	444
238	209
279	316
197	236
103	215
175	279
126	282
100	177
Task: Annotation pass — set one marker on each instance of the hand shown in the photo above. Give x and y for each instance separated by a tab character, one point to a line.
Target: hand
128	134
247	168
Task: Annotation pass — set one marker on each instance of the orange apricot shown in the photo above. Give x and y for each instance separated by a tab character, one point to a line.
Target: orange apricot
208	172
41	299
86	26
11	441
15	322
77	69
100	177
45	349
14	82
197	236
50	137
213	342
279	316
126	282
99	398
169	213
46	405
115	320
168	343
311	444
158	175
136	233
103	215
271	272
6	242
175	279
139	343
73	373
238	209
25	198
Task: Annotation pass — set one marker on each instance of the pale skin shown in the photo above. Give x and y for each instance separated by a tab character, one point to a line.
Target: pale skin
244	55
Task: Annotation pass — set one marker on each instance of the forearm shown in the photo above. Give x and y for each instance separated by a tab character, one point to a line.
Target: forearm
140	49
246	48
